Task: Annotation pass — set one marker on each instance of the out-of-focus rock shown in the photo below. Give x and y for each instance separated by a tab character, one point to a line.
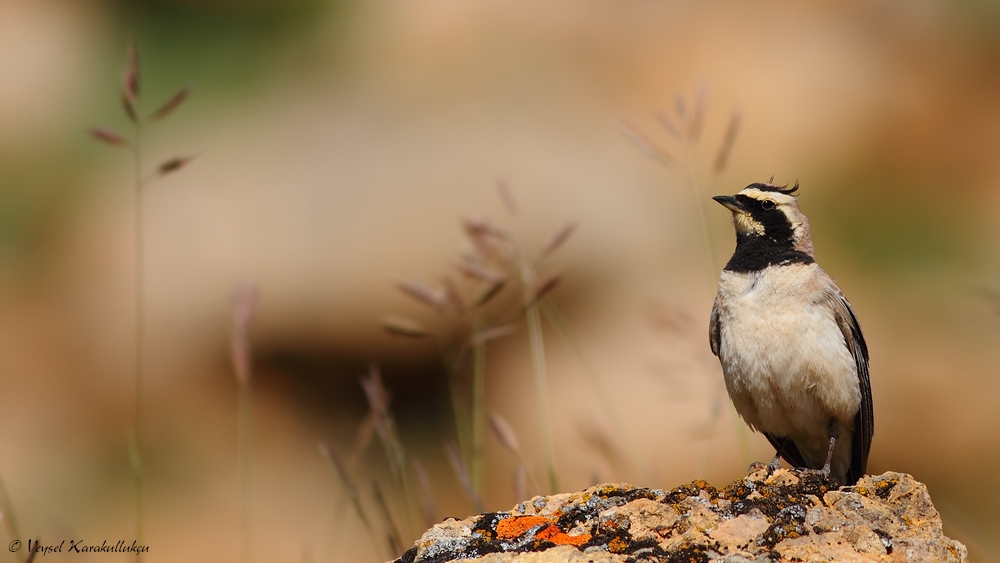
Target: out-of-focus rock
786	516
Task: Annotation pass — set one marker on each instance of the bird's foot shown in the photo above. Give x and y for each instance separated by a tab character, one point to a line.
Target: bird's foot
771	466
823	474
774	465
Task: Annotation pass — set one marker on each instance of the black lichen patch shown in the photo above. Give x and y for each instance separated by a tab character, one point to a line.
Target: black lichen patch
692	489
882	488
692	553
601	500
772	499
487	524
790	522
409	556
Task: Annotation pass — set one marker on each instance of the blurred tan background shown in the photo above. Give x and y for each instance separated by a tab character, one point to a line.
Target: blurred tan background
339	144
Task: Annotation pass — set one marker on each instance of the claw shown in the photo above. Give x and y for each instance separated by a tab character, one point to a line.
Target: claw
774	465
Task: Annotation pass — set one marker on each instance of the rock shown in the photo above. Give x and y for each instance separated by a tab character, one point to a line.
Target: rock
787	516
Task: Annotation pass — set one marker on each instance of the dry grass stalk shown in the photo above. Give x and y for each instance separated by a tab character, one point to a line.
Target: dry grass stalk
395	543
604	445
108	136
697	115
401	326
494	264
491	292
508	439
379	399
687	136
668	125
7	516
244	307
541	289
505	434
428	508
647	146
421	292
172	104
173	164
509	203
728	140
479	272
32	553
130	76
464	479
521	476
597	385
350	489
130	97
490	334
557	239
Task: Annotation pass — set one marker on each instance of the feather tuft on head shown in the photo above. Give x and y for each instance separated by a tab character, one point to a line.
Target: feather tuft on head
769	187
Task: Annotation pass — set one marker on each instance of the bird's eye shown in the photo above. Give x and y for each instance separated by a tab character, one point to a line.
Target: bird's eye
767	204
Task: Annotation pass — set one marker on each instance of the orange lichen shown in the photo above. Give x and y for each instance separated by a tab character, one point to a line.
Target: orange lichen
558	537
511	528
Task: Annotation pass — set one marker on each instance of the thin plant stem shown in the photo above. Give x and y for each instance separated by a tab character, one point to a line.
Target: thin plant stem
603	397
458	401
135	462
349	488
139	334
537	346
706	235
7	513
478	414
246	465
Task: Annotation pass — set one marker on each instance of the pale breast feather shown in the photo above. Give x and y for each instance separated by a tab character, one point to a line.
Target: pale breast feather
776	336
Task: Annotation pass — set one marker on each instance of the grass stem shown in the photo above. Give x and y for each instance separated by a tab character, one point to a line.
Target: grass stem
537	345
136	445
478	415
600	391
7	513
246	465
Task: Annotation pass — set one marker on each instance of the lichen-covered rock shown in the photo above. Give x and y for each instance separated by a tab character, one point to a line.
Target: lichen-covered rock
785	516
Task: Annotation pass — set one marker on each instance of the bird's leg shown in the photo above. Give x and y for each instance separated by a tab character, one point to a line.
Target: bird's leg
773	465
776	462
833	431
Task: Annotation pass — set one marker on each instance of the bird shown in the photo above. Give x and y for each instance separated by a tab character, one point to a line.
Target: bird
793	356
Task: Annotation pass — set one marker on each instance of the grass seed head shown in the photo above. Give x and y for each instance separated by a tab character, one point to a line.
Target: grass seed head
172	104
244	307
505	434
131	80
557	239
108	136
421	292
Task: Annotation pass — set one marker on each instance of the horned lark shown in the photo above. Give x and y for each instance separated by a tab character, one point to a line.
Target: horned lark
792	353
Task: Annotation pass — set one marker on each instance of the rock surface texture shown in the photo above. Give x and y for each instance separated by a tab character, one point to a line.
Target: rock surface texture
786	516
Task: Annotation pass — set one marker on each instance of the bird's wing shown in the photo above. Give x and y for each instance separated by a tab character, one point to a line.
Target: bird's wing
714	328
864	420
787	450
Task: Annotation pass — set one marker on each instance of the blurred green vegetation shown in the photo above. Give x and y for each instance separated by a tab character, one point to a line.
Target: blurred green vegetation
224	48
897	227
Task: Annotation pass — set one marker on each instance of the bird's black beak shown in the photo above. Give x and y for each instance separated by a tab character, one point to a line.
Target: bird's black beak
731	203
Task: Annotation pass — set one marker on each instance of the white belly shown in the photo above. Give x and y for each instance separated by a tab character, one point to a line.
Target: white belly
786	364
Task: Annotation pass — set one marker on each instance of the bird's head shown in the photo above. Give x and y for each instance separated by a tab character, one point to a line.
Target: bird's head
770	212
